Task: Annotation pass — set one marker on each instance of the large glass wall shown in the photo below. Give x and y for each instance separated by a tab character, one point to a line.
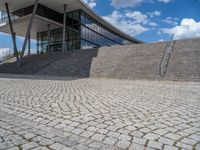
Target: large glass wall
94	32
82	32
72	39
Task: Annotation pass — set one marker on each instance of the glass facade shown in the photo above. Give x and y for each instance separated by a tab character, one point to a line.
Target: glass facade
4	17
82	32
72	39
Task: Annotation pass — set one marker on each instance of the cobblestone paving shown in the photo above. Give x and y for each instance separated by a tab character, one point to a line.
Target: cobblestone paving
90	114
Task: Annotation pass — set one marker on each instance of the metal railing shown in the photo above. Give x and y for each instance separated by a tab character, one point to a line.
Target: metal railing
166	56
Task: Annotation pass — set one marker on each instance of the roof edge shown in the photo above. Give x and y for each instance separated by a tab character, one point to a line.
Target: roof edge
132	39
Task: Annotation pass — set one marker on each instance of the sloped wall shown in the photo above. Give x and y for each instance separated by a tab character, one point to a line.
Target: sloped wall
137	61
185	60
129	62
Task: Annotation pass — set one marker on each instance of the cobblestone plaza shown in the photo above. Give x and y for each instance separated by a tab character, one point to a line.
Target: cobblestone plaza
107	114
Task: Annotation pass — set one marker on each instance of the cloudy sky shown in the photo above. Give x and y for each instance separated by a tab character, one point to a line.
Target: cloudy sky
152	20
147	20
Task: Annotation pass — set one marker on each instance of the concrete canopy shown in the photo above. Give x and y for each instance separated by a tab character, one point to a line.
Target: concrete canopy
39	25
58	5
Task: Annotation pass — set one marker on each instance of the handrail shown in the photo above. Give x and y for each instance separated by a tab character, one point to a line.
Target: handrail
166	56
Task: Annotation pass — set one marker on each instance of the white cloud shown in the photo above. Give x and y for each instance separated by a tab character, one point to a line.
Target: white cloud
91	3
161	40
154	13
129	24
133	3
171	21
137	16
164	1
153	24
188	28
125	3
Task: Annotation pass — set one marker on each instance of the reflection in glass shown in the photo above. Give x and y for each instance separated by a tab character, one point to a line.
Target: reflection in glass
82	32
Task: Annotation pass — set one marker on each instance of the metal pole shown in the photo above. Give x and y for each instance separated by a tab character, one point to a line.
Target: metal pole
48	34
12	32
29	44
29	28
38	44
64	28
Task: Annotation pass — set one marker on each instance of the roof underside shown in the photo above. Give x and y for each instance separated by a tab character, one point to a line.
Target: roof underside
39	25
57	5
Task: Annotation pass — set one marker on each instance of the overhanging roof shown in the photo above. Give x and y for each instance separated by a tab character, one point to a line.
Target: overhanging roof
40	24
57	5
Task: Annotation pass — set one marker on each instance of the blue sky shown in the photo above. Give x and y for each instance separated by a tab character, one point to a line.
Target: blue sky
152	20
147	20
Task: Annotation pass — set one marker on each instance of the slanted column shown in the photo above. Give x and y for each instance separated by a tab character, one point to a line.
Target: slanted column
12	32
29	44
64	28
48	37
29	28
38	44
17	54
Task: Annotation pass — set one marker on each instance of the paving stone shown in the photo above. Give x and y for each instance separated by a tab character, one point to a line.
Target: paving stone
184	146
135	146
140	141
96	145
131	128
110	140
18	141
197	147
125	137
160	131
6	145
105	112
69	142
43	141
137	134
29	135
123	144
168	147
151	136
98	137
14	148
102	131
57	146
92	129
173	136
166	141
87	134
41	148
77	131
113	134
155	144
29	145
195	137
189	141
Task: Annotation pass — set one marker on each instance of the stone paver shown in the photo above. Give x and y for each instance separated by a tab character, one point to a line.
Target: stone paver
99	114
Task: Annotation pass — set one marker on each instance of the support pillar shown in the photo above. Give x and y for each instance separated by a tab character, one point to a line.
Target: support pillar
12	32
38	44
48	36
29	44
64	28
29	28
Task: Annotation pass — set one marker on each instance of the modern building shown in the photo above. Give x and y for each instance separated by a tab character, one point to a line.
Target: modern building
58	25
